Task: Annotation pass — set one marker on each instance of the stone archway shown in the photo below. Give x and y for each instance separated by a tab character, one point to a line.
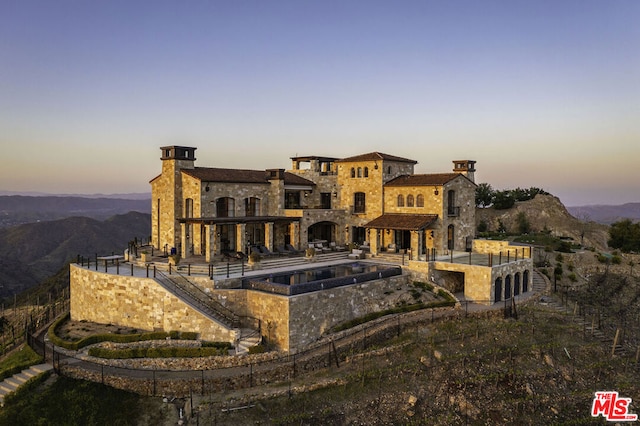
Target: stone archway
525	281
516	284
507	287
497	290
324	231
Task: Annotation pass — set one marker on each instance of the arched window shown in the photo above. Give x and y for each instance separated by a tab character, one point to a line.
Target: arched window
252	206
225	207
400	201
450	237
359	202
353	172
389	170
359	172
420	200
366	172
409	200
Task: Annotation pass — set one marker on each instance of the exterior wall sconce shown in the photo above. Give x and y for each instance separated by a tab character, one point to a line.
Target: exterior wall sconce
388	231
335	195
306	194
206	188
436	191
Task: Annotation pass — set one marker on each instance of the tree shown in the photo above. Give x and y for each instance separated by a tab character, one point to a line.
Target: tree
625	235
503	200
484	195
524	227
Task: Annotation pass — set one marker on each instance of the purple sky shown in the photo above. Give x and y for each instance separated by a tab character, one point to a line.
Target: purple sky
539	93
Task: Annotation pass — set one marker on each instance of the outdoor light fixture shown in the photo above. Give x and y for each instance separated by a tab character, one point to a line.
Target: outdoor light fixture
436	191
206	188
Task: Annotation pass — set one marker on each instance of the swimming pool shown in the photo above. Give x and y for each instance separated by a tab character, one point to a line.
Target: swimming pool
315	279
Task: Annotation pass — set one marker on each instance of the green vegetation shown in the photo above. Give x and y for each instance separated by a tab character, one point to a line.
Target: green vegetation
117	338
168	352
73	402
17	361
625	235
486	196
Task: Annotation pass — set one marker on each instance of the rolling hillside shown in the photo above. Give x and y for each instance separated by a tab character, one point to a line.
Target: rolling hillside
32	252
18	209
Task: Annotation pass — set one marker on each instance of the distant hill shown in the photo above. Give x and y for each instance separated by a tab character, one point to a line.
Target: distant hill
547	212
19	209
32	252
607	214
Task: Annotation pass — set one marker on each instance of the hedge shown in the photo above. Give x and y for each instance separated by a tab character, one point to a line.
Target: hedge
116	338
172	352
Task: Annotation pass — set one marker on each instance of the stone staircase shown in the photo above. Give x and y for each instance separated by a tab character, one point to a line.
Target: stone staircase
10	384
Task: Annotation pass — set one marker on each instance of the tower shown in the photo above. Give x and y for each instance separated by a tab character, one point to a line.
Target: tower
166	196
466	168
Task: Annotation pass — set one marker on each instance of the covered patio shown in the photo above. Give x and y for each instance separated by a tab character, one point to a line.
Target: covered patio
211	237
394	232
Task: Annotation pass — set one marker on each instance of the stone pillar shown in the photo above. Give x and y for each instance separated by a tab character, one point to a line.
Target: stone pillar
210	235
184	241
373	241
415	244
268	235
294	233
241	237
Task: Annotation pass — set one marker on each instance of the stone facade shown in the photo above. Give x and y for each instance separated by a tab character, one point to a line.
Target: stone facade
136	302
208	211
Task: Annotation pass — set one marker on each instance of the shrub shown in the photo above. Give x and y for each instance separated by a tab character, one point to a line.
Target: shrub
482	226
423	285
167	352
572	277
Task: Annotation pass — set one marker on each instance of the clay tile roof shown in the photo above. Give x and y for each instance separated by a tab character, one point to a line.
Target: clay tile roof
405	222
209	174
372	156
423	180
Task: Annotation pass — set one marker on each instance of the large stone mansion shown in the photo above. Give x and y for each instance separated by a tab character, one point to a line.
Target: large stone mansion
373	199
424	224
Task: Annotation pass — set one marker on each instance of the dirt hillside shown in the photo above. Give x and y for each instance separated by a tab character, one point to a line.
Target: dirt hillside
546	212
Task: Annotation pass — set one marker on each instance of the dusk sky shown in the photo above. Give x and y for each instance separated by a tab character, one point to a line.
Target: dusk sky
539	93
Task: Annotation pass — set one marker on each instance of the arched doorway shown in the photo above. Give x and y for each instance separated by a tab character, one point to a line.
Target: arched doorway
507	287
516	284
525	281
497	291
321	231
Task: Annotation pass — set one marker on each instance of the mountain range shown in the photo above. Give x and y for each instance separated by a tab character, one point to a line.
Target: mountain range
32	252
606	214
20	209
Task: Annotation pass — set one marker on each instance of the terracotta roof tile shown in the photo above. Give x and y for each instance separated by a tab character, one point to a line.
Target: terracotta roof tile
209	174
423	180
373	156
405	222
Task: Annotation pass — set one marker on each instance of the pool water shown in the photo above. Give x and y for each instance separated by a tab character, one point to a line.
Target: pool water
318	274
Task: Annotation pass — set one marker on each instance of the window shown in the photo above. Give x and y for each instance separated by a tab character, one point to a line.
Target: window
188	207
353	172
366	172
325	200
400	201
358	202
292	200
252	206
225	207
420	200
359	172
389	170
409	200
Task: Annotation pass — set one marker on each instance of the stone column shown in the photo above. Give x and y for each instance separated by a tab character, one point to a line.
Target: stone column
268	235
184	241
294	232
415	244
373	241
241	237
210	235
